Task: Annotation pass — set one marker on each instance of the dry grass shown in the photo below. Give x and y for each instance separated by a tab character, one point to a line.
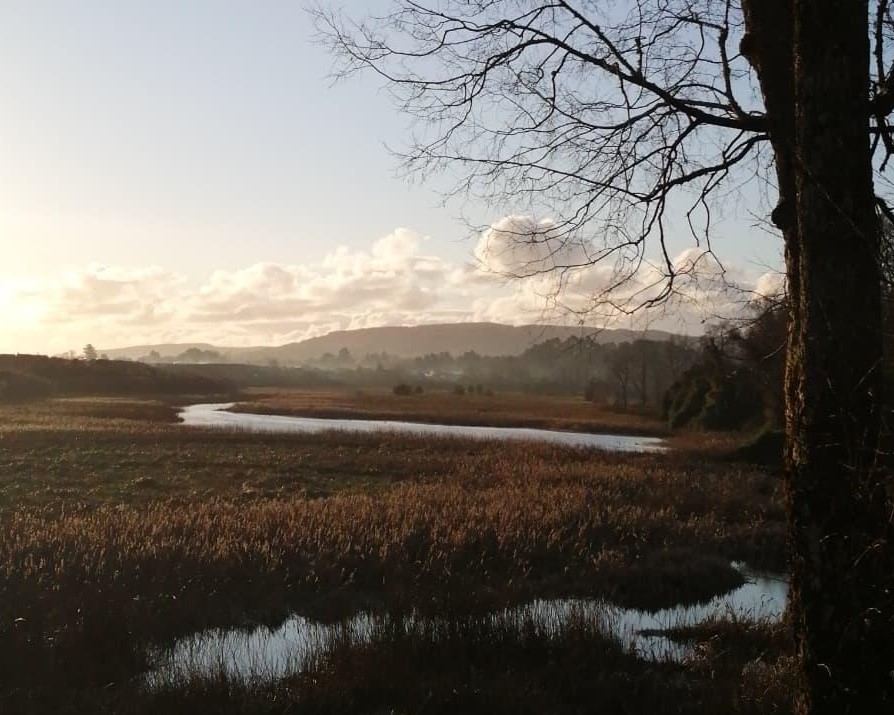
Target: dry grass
118	529
445	407
520	667
474	666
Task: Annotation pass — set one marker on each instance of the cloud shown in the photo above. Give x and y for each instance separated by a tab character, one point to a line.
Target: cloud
394	276
770	285
397	280
525	246
693	289
100	291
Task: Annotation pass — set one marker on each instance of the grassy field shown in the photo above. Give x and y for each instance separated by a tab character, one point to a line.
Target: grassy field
447	407
120	529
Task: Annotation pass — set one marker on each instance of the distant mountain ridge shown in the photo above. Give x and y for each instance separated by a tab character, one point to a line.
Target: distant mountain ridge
489	339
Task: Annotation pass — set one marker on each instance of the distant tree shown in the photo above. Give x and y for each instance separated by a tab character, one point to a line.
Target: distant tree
759	347
621	367
643	355
90	352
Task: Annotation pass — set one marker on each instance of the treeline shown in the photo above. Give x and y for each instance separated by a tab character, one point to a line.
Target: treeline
188	356
636	373
29	377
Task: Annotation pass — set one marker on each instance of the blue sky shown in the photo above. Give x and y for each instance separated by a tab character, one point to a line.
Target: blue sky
152	148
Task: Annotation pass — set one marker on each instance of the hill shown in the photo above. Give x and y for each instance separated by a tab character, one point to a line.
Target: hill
488	339
137	352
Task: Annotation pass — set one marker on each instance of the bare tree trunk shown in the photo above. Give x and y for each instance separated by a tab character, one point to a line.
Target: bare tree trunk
839	523
838	519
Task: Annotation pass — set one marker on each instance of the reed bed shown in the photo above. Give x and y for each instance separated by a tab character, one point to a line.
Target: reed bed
474	666
119	531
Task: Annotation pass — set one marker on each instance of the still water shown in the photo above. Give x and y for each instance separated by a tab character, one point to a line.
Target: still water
216	415
265	654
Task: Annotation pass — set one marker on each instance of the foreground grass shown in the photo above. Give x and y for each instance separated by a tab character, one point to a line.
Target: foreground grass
445	407
474	666
520	667
119	529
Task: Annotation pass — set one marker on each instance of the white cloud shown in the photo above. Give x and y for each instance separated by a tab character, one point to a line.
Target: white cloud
398	280
770	284
526	246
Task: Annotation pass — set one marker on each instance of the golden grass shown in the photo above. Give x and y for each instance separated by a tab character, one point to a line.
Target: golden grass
118	529
519	667
498	665
355	509
442	520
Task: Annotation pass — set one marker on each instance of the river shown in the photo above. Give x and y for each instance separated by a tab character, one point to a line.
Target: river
218	416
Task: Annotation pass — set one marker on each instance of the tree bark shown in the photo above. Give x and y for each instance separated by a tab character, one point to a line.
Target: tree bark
839	524
815	85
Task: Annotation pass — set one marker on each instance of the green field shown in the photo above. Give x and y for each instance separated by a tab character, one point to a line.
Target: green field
123	530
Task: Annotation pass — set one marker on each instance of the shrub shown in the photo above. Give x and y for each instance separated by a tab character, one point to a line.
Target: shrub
711	400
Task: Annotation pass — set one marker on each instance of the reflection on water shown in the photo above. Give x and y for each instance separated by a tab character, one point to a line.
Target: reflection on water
763	596
266	655
216	415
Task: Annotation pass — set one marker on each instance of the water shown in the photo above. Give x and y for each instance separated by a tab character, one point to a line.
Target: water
763	596
265	655
216	415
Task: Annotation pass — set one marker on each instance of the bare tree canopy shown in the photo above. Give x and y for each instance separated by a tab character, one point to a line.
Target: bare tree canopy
606	117
605	120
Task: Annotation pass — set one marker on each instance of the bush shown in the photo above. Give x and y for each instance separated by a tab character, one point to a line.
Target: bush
403	389
685	398
710	400
459	390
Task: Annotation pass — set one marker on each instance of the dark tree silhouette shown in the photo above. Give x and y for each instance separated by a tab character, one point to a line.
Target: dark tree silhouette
611	116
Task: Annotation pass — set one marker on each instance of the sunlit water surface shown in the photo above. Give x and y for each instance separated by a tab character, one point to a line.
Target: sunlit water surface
265	655
218	416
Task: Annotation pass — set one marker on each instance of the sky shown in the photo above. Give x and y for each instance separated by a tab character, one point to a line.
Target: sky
186	171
